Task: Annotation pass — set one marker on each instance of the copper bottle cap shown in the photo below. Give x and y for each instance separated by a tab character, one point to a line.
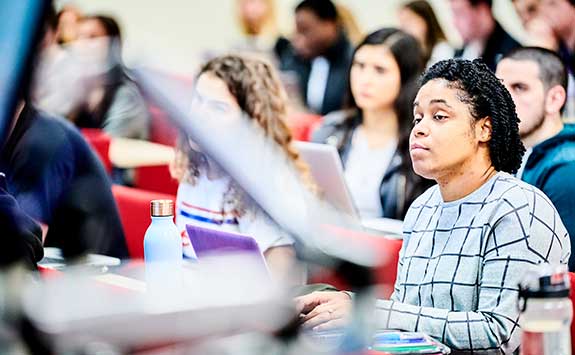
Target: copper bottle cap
162	208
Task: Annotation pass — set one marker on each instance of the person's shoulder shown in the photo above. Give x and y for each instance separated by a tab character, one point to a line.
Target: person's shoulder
515	194
331	124
563	145
51	122
50	133
129	91
64	135
338	117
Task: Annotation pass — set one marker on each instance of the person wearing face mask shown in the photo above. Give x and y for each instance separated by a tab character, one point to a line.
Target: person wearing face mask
112	101
58	181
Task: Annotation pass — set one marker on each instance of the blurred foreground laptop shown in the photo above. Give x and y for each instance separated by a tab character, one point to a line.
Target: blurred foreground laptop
327	170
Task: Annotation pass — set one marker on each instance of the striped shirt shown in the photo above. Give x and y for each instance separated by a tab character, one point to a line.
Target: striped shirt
461	263
205	204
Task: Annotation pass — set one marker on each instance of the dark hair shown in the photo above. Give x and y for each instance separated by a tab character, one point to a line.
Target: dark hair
474	3
113	79
434	33
109	24
486	97
406	52
112	30
323	9
51	18
552	70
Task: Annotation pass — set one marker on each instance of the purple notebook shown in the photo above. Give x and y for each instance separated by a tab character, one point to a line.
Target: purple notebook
207	241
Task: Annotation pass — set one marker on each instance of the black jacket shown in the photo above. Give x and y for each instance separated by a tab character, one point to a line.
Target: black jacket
339	57
400	186
498	44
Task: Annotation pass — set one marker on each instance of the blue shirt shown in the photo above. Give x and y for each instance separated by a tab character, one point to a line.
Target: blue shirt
551	168
57	180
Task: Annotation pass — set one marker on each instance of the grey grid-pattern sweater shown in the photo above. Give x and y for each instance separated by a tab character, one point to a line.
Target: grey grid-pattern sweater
461	263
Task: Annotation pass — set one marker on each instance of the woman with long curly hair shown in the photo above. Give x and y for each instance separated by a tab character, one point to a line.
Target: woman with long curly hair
207	196
469	239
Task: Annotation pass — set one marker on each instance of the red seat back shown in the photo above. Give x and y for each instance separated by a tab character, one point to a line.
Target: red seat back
100	142
302	125
155	178
134	207
384	274
162	130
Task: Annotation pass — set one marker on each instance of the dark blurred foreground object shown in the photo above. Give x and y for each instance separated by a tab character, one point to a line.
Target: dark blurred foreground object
21	236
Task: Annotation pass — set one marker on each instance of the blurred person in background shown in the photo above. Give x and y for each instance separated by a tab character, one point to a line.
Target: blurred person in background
372	135
67	24
560	15
539	33
483	37
527	10
319	55
537	81
350	24
207	196
113	101
59	182
418	19
258	24
467	241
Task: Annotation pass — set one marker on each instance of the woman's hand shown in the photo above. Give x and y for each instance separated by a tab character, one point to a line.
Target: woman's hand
324	310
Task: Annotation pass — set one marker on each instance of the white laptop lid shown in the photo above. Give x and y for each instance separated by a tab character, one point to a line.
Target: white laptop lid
327	170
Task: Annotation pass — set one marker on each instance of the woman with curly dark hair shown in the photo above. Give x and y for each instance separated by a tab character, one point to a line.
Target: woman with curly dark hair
469	239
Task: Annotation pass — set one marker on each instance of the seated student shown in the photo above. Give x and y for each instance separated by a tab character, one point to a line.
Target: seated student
319	55
469	239
59	182
207	196
539	32
560	16
483	37
418	19
537	81
372	136
113	101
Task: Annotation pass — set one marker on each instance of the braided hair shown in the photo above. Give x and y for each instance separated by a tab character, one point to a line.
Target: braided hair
485	96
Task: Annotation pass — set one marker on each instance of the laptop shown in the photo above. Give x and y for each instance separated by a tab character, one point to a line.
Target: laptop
327	170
